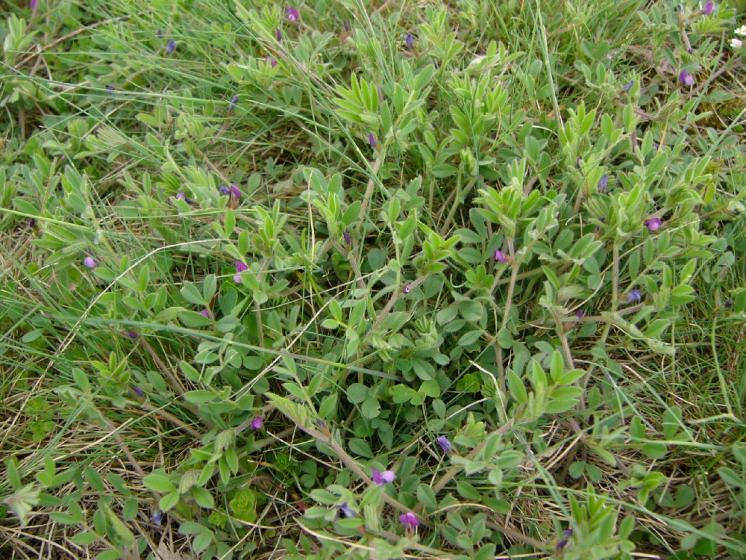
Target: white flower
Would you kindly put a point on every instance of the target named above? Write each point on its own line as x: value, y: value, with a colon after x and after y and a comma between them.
x: 736, y: 43
x: 741, y: 31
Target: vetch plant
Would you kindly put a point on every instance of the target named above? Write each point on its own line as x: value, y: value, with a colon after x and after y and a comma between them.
x: 460, y: 280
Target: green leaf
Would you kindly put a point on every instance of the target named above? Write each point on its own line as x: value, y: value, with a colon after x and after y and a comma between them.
x: 426, y: 496
x: 731, y: 478
x: 370, y: 408
x: 505, y: 338
x: 203, y: 498
x: 168, y: 501
x: 328, y: 406
x: 159, y: 482
x: 557, y: 366
x: 190, y: 293
x: 84, y: 539
x: 468, y: 491
x: 430, y: 388
x: 360, y: 447
x: 401, y: 393
x: 516, y: 387
x: 357, y: 393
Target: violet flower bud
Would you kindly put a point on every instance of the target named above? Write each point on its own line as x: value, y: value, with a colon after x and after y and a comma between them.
x: 381, y: 478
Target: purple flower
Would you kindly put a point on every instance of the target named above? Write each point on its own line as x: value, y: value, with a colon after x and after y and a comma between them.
x: 33, y: 4
x: 708, y: 8
x: 157, y: 517
x: 110, y: 89
x: 347, y: 237
x: 372, y: 141
x: 170, y: 46
x: 634, y: 296
x: 409, y: 520
x: 409, y: 41
x: 567, y: 533
x: 131, y: 334
x: 240, y: 267
x: 653, y: 224
x: 628, y: 85
x: 224, y: 190
x: 407, y: 289
x: 181, y: 196
x: 686, y: 78
x: 382, y: 478
x: 90, y: 262
x: 139, y: 392
x: 278, y: 35
x: 603, y: 184
x: 444, y: 443
x: 501, y: 257
x: 580, y: 314
x: 346, y: 510
x: 271, y: 61
x: 257, y: 423
x: 206, y: 313
x: 292, y: 14
x: 233, y: 102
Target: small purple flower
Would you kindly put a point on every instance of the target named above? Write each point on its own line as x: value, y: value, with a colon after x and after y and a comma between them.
x: 567, y: 533
x: 372, y: 141
x: 603, y: 184
x: 257, y: 423
x: 157, y: 517
x: 346, y: 510
x: 407, y: 289
x: 347, y: 237
x: 139, y: 392
x: 653, y: 224
x: 90, y: 262
x: 131, y: 334
x: 686, y: 78
x: 708, y: 8
x: 292, y: 14
x: 278, y: 35
x: 409, y: 41
x: 170, y: 46
x: 579, y: 314
x: 271, y: 61
x: 628, y: 85
x: 234, y: 191
x: 224, y: 190
x: 181, y: 196
x: 409, y: 520
x: 206, y: 313
x: 501, y: 257
x: 233, y: 102
x: 634, y: 296
x: 240, y: 267
x: 381, y: 478
x: 33, y: 4
x: 444, y: 443
x: 110, y: 89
